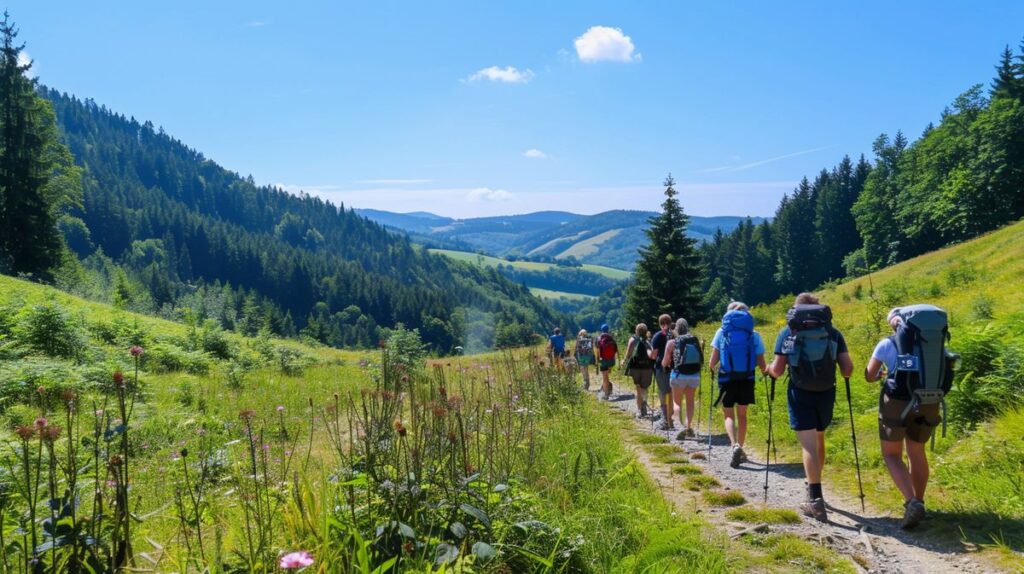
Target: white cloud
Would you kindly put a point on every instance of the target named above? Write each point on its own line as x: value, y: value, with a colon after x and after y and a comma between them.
x: 488, y: 194
x: 605, y: 44
x: 534, y: 153
x: 507, y: 75
x: 23, y: 60
x: 392, y: 181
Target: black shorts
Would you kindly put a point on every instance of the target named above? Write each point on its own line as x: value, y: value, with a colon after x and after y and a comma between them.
x: 810, y: 410
x: 737, y: 393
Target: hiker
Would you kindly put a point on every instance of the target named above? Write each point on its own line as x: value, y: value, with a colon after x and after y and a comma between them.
x: 608, y: 355
x: 811, y: 348
x: 661, y: 374
x: 918, y: 372
x: 556, y: 348
x: 737, y: 349
x: 640, y: 366
x: 585, y: 357
x: 684, y: 358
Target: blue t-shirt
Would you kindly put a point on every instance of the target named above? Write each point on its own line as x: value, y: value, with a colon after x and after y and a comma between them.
x: 886, y: 353
x: 557, y: 343
x: 718, y: 342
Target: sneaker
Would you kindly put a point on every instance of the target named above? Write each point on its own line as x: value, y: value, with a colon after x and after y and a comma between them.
x: 643, y: 411
x: 737, y: 456
x: 913, y: 513
x: 743, y: 456
x: 689, y: 433
x: 666, y: 426
x: 815, y: 509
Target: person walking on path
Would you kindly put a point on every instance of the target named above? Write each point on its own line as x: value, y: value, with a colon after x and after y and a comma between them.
x: 585, y: 356
x: 811, y: 349
x: 661, y: 374
x: 739, y: 351
x: 915, y: 350
x: 683, y: 359
x: 556, y: 348
x: 608, y: 354
x: 640, y: 366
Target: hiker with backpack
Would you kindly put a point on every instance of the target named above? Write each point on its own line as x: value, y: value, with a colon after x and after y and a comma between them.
x: 608, y: 356
x: 918, y: 372
x: 810, y: 348
x: 661, y: 374
x: 556, y: 348
x: 640, y: 366
x: 683, y: 359
x: 738, y: 353
x: 585, y: 356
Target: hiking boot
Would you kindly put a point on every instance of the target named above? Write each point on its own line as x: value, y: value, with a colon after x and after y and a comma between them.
x: 643, y: 411
x: 666, y: 426
x: 743, y: 456
x: 815, y: 509
x: 689, y: 433
x: 913, y: 513
x: 738, y: 456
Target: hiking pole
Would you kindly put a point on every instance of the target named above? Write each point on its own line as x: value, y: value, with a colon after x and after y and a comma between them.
x: 700, y: 389
x: 853, y: 433
x: 711, y: 413
x: 770, y: 397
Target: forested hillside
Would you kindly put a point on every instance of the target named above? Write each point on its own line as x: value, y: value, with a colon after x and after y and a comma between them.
x: 960, y: 179
x: 163, y: 228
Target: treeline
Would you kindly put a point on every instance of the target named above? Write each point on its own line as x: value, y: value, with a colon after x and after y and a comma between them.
x: 960, y: 179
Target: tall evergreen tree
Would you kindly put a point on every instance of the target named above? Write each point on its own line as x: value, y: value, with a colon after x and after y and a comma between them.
x: 29, y: 238
x: 668, y: 273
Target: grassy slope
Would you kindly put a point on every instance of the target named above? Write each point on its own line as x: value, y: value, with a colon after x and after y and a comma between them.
x: 549, y: 294
x: 975, y: 478
x: 489, y: 261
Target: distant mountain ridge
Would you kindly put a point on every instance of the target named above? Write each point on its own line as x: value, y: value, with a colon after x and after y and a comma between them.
x: 610, y: 238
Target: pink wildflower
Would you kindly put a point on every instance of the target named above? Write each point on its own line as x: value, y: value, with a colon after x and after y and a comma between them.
x: 294, y: 560
x: 280, y: 408
x: 136, y: 351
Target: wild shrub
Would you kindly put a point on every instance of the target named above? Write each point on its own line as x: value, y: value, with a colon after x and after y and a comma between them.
x: 983, y: 307
x: 213, y: 340
x: 167, y: 358
x: 292, y: 362
x: 48, y: 329
x: 960, y: 274
x: 991, y: 375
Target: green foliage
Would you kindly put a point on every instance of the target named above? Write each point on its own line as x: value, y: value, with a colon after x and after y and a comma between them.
x: 405, y: 349
x: 48, y: 328
x: 763, y: 515
x: 668, y: 272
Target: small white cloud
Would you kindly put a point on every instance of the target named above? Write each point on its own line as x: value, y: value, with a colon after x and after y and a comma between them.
x: 488, y: 194
x: 508, y: 75
x: 605, y: 44
x: 23, y: 60
x: 534, y: 153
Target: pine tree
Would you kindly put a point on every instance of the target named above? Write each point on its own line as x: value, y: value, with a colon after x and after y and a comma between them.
x: 668, y: 273
x: 29, y: 238
x: 1005, y: 83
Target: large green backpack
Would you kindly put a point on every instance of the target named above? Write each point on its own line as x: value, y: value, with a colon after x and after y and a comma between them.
x: 923, y: 366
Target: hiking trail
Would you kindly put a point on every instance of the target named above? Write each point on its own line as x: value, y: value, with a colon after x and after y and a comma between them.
x: 873, y: 540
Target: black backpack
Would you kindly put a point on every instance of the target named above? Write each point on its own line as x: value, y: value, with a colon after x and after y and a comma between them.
x: 687, y: 357
x: 641, y: 358
x: 811, y: 347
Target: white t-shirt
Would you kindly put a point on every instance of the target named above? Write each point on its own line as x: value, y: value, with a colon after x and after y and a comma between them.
x: 885, y: 351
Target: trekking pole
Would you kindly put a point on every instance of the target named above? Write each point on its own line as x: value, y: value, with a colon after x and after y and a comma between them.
x: 700, y: 389
x: 770, y: 396
x: 853, y: 433
x: 711, y: 406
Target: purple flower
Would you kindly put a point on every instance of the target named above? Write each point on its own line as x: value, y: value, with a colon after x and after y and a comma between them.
x: 294, y: 560
x: 136, y: 351
x: 280, y: 408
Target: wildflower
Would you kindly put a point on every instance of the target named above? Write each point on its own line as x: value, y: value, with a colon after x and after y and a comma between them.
x: 280, y: 408
x: 294, y: 560
x: 400, y: 428
x: 246, y: 414
x: 136, y: 351
x: 439, y: 411
x: 118, y: 378
x: 184, y: 452
x: 25, y: 432
x: 41, y: 390
x: 67, y: 395
x: 98, y: 413
x: 116, y: 460
x: 51, y: 433
x: 41, y: 423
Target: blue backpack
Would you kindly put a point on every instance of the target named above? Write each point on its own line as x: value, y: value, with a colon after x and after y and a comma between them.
x: 737, y: 358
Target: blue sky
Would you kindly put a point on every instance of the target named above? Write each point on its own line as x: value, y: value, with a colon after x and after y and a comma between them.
x: 484, y: 108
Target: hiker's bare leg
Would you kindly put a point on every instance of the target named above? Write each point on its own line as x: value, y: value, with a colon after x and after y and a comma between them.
x: 585, y: 372
x: 821, y: 450
x: 641, y: 398
x: 730, y: 423
x: 689, y: 392
x: 666, y: 400
x: 892, y: 454
x: 677, y: 404
x: 918, y: 457
x: 741, y: 420
x: 812, y: 461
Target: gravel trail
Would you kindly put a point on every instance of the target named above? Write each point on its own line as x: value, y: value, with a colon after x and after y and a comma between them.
x: 873, y: 539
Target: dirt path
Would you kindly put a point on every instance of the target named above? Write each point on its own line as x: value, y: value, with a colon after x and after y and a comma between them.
x: 875, y: 541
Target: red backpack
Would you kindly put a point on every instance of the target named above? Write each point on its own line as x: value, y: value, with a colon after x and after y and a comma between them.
x: 607, y: 347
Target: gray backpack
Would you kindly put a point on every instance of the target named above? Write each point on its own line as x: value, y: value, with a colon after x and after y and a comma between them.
x: 923, y: 365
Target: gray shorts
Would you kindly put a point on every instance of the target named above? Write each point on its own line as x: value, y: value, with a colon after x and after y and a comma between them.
x: 680, y: 381
x: 661, y: 376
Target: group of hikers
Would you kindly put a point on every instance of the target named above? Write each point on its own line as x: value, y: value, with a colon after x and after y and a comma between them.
x: 915, y: 366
